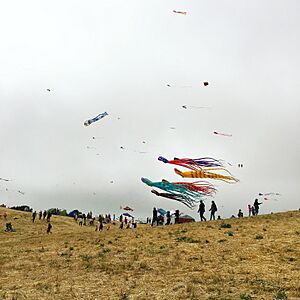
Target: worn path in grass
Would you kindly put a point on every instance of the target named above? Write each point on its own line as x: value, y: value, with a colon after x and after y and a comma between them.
x: 256, y: 258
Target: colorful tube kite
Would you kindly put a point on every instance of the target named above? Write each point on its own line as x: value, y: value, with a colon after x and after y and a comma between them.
x: 204, y: 174
x: 97, y: 118
x: 188, y: 194
x: 194, y: 164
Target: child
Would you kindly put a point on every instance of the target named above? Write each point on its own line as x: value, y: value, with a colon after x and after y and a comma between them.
x: 249, y: 210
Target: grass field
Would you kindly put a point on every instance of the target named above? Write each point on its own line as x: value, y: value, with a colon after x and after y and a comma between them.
x: 255, y: 258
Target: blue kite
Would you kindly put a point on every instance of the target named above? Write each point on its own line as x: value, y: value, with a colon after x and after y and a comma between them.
x: 97, y: 118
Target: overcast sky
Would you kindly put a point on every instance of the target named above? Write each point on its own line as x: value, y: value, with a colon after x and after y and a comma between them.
x: 118, y: 56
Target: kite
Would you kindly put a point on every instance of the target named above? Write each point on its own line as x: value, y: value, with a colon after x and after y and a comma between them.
x: 126, y: 208
x: 240, y: 165
x: 179, y: 86
x: 194, y: 164
x: 204, y: 174
x: 191, y: 106
x: 179, y: 12
x: 224, y: 134
x: 4, y: 179
x: 48, y: 90
x: 269, y: 194
x: 97, y: 118
x: 21, y: 192
x: 172, y: 127
x: 176, y: 191
x: 205, y: 83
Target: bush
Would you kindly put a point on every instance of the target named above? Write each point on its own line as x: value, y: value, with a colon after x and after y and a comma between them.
x: 281, y: 295
x: 245, y: 297
x: 186, y: 239
x: 259, y: 237
x: 225, y: 225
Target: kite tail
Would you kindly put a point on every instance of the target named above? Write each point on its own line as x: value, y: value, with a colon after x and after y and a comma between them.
x: 208, y: 162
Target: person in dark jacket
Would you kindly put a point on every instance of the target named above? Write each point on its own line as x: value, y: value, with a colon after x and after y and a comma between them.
x: 213, y: 210
x: 201, y: 211
x: 177, y: 214
x: 49, y: 228
x: 256, y: 206
x: 168, y: 215
x: 154, y: 217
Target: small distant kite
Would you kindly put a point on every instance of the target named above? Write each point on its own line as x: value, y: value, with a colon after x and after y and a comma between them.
x: 269, y: 194
x: 97, y: 118
x: 191, y: 106
x: 179, y: 12
x: 240, y: 165
x: 22, y: 193
x: 173, y: 128
x: 4, y: 179
x: 205, y: 83
x: 224, y: 134
x: 126, y: 208
x: 48, y: 90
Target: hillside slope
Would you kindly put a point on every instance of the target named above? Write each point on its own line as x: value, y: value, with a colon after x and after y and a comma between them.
x: 257, y: 258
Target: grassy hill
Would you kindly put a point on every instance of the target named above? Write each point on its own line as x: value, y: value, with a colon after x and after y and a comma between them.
x: 257, y: 258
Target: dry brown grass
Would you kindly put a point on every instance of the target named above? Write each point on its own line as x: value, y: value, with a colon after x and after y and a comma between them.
x: 257, y: 258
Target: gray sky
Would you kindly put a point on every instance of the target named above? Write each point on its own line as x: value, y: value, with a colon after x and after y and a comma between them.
x: 117, y: 56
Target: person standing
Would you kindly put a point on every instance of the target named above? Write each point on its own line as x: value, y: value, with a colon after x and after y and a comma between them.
x: 33, y: 216
x: 256, y: 206
x: 249, y: 210
x: 201, y: 211
x: 40, y: 215
x: 213, y: 210
x: 154, y: 217
x: 48, y: 216
x: 168, y: 215
x: 177, y: 214
x: 49, y: 228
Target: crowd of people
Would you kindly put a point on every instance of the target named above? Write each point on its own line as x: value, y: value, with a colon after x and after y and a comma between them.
x: 127, y: 221
x: 252, y: 210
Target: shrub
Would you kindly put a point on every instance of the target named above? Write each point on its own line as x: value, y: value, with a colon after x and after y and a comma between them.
x: 225, y: 225
x: 281, y: 295
x: 186, y: 239
x: 245, y: 297
x: 259, y: 237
